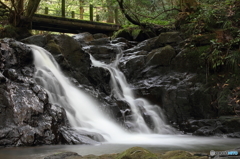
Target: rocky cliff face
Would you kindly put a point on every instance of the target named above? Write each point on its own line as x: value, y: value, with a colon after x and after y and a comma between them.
x: 158, y: 69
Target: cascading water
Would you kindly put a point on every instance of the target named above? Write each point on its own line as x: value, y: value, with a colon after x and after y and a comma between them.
x: 122, y: 91
x: 82, y: 110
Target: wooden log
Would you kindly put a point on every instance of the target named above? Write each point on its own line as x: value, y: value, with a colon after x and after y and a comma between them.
x: 50, y: 23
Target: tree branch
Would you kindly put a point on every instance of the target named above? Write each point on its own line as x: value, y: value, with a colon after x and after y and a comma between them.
x: 5, y: 6
x: 120, y: 3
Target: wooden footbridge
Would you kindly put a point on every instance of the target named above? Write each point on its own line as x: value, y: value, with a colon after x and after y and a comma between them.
x: 69, y: 25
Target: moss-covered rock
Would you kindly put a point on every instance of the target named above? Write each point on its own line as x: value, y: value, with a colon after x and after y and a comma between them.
x: 179, y: 154
x: 53, y: 47
x: 161, y: 56
x: 169, y: 38
x: 137, y: 153
x: 125, y: 33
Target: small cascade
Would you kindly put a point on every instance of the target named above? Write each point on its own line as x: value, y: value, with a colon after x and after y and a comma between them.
x: 83, y: 111
x: 139, y: 106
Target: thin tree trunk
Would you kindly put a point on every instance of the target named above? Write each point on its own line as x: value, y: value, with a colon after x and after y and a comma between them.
x: 20, y: 7
x: 32, y: 7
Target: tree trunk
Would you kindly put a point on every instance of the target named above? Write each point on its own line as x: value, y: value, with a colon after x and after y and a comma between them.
x: 20, y: 7
x: 32, y: 7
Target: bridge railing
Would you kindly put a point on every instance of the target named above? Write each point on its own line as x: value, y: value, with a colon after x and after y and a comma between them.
x: 92, y: 13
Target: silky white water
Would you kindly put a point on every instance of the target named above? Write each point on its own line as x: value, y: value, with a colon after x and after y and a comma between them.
x: 83, y: 111
x: 122, y: 91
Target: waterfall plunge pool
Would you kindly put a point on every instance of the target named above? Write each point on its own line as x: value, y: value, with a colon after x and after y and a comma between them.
x: 155, y: 143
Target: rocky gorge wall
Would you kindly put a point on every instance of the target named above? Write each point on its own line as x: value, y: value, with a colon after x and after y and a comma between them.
x: 158, y: 69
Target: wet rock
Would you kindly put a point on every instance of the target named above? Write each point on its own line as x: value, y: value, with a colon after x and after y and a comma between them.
x: 104, y: 53
x: 2, y: 78
x: 43, y: 97
x: 124, y: 33
x: 23, y: 53
x: 73, y: 53
x: 162, y: 40
x: 205, y: 131
x: 146, y: 45
x: 99, y: 35
x: 225, y: 125
x: 100, y: 41
x: 27, y: 71
x: 135, y: 64
x: 161, y: 56
x: 53, y: 47
x: 234, y: 135
x: 169, y: 38
x: 38, y: 40
x: 11, y: 74
x: 65, y: 66
x: 26, y: 116
x: 70, y: 136
x: 83, y: 38
x: 27, y: 135
x: 100, y: 79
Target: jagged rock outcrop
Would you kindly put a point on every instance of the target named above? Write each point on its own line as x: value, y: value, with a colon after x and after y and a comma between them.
x: 26, y: 116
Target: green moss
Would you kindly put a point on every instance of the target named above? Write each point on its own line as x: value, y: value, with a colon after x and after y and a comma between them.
x: 179, y: 154
x: 125, y: 33
x: 137, y: 153
x: 53, y: 47
x: 135, y: 33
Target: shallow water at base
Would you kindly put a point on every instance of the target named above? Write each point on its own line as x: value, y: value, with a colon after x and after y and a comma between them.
x: 162, y: 143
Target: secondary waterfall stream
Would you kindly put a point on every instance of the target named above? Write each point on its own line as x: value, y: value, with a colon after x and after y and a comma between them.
x: 122, y: 91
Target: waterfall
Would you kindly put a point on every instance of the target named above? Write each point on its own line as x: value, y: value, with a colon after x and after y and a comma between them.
x: 122, y: 91
x: 82, y: 110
